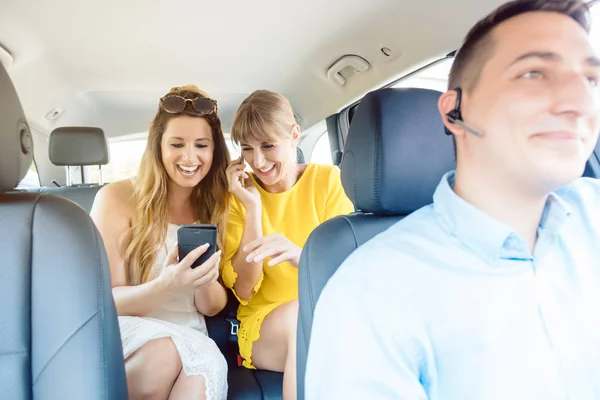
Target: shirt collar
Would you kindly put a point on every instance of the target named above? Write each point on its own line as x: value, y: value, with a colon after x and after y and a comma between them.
x: 555, y: 214
x: 489, y: 238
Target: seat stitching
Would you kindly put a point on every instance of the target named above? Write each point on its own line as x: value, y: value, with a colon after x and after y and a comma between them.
x: 13, y: 353
x: 63, y: 345
x: 376, y: 149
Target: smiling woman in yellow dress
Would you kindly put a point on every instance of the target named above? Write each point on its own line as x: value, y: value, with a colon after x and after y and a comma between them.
x: 272, y: 213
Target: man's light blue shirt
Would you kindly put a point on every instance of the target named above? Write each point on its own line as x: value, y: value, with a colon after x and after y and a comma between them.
x: 449, y: 304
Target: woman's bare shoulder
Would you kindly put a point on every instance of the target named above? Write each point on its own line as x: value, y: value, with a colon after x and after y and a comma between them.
x: 119, y: 189
x: 117, y: 198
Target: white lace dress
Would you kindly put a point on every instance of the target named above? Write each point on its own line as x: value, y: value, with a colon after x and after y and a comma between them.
x: 180, y: 320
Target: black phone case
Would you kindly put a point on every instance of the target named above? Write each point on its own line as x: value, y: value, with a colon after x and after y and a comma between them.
x: 191, y: 236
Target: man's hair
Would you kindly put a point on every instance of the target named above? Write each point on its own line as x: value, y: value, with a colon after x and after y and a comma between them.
x: 478, y: 45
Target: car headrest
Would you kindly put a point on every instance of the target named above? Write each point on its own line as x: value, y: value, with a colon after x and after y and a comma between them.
x: 300, y: 156
x: 78, y: 145
x: 16, y: 143
x: 396, y: 151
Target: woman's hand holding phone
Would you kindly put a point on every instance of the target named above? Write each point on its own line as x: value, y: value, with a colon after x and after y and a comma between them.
x: 179, y: 276
x: 241, y: 186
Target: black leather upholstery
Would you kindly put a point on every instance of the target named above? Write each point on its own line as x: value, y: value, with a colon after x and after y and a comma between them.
x: 58, y: 323
x: 396, y: 153
x: 393, y: 140
x: 244, y: 384
x: 271, y: 384
x: 592, y: 167
x: 300, y: 156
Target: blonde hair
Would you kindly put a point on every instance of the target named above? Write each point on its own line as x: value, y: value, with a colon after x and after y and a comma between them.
x: 263, y: 116
x: 150, y: 220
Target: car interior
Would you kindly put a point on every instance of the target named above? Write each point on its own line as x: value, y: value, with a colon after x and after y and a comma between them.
x: 59, y: 323
x: 80, y: 83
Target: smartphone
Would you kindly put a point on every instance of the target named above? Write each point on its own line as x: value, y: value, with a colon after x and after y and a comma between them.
x: 191, y: 236
x: 247, y: 170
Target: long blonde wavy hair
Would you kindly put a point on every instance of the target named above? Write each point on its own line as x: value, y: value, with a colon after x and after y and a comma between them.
x: 150, y: 220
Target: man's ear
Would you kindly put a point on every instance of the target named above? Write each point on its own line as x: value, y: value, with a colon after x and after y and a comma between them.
x: 447, y: 103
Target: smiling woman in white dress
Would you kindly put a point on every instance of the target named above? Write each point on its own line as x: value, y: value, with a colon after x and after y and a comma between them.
x: 160, y: 300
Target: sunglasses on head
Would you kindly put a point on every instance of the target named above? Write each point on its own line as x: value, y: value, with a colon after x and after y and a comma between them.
x: 173, y: 103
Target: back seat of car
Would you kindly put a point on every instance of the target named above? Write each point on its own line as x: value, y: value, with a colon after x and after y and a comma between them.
x: 82, y: 195
x: 85, y: 146
x: 77, y: 146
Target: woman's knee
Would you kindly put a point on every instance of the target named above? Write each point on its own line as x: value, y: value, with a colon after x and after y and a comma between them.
x: 277, y: 338
x: 289, y: 321
x: 153, y: 368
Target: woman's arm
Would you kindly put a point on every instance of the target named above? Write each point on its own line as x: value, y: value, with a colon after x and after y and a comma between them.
x: 111, y: 213
x: 140, y: 300
x: 240, y: 274
x: 248, y: 272
x: 210, y: 299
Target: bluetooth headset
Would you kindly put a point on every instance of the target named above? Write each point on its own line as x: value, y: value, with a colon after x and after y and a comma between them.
x: 455, y: 116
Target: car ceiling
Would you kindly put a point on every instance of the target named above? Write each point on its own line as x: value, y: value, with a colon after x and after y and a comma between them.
x: 106, y: 63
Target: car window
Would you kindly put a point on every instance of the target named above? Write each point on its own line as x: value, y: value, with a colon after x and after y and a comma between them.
x: 321, y: 153
x: 234, y: 150
x: 433, y: 76
x: 31, y: 180
x: 125, y: 157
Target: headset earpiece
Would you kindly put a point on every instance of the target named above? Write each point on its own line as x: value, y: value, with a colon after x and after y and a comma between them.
x: 455, y: 115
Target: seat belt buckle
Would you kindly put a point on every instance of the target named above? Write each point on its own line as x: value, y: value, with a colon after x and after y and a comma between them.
x: 240, y: 360
x: 235, y: 326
